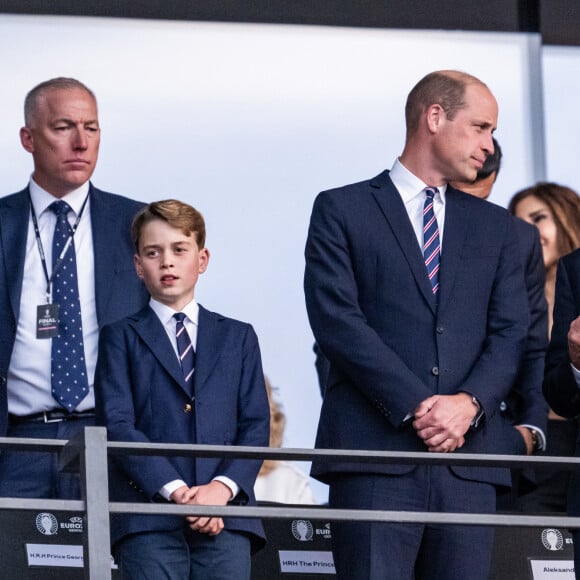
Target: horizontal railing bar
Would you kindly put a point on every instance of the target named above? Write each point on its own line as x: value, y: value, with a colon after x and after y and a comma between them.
x: 25, y: 503
x: 25, y: 444
x: 350, y: 455
x: 295, y: 454
x: 322, y: 513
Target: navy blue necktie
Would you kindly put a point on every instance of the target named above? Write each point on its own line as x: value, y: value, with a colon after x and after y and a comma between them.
x: 431, y: 244
x: 68, y: 368
x: 184, y: 348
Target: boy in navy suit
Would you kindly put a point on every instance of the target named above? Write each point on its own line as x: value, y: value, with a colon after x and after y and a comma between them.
x: 177, y: 373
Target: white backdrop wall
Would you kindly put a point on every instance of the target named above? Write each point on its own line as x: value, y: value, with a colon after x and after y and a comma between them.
x: 248, y: 123
x: 561, y: 66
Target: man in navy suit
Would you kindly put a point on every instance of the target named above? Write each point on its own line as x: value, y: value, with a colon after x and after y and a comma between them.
x: 217, y: 395
x: 418, y: 361
x: 562, y: 377
x: 62, y: 134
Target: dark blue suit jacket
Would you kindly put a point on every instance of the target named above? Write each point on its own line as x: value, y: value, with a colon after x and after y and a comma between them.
x: 525, y: 403
x: 389, y: 343
x: 142, y: 397
x: 560, y: 387
x: 118, y: 290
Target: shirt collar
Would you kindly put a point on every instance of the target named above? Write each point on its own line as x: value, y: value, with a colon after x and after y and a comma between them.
x: 165, y: 313
x: 408, y: 184
x: 41, y: 199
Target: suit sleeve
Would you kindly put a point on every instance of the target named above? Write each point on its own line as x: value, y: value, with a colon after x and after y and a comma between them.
x: 115, y: 410
x: 560, y: 388
x: 526, y: 395
x: 340, y: 326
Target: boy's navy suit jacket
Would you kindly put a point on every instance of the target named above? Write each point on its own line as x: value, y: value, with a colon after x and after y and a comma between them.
x: 141, y: 396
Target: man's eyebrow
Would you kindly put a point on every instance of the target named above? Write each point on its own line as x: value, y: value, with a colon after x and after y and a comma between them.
x: 69, y: 121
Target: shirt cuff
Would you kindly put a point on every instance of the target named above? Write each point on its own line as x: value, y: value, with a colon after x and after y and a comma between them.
x: 234, y: 487
x: 170, y: 487
x: 540, y: 433
x: 576, y: 374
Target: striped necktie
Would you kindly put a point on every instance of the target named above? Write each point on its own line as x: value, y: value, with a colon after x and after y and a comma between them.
x: 431, y: 245
x: 184, y: 347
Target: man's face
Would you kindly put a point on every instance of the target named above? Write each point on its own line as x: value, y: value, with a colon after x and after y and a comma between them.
x: 461, y: 144
x: 169, y: 262
x: 63, y: 138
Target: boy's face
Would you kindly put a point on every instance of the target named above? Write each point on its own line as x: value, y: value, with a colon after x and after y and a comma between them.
x: 169, y: 262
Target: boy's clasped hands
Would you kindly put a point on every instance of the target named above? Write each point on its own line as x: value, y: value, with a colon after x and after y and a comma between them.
x: 212, y: 493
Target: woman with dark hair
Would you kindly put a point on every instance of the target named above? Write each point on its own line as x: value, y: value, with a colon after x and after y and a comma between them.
x: 555, y: 210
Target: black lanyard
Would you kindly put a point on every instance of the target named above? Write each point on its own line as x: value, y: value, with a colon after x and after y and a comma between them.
x: 56, y: 266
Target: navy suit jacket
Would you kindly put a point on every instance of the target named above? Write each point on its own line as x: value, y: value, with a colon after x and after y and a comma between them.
x: 118, y: 290
x: 141, y: 396
x: 390, y: 344
x: 526, y: 404
x: 560, y: 387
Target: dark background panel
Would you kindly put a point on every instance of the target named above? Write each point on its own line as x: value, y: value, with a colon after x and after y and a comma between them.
x: 560, y: 22
x: 557, y: 20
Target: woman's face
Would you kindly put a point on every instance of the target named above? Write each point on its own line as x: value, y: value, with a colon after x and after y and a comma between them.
x: 536, y: 212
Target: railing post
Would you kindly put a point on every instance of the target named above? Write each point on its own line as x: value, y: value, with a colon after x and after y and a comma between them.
x: 94, y: 474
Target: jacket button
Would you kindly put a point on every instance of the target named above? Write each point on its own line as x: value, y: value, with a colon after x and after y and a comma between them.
x: 187, y: 408
x: 502, y: 406
x: 435, y: 370
x: 439, y: 330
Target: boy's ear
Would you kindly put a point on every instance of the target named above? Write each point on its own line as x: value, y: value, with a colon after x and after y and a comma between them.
x: 203, y: 260
x: 138, y: 267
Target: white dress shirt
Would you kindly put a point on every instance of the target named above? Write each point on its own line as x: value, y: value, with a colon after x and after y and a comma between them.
x: 28, y: 381
x: 165, y: 315
x: 576, y: 374
x: 410, y: 189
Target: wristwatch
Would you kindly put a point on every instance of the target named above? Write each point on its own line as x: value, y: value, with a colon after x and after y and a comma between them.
x: 536, y: 440
x: 478, y: 415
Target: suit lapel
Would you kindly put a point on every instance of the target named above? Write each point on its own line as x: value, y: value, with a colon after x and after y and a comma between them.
x: 454, y: 233
x: 210, y: 341
x: 393, y: 209
x: 14, y: 217
x: 148, y: 326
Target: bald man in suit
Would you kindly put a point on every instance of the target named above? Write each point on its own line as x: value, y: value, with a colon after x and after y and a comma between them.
x: 424, y: 335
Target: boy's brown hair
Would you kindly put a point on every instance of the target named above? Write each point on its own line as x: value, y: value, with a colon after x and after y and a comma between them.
x: 177, y: 214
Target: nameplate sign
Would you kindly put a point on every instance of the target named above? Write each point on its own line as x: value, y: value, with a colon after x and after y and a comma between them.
x: 306, y: 562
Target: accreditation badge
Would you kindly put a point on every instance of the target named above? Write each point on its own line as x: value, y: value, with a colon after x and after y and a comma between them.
x: 46, y: 320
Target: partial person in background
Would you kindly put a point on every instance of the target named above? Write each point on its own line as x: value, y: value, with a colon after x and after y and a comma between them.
x: 66, y: 269
x: 525, y: 405
x: 562, y: 378
x: 279, y: 481
x: 555, y: 210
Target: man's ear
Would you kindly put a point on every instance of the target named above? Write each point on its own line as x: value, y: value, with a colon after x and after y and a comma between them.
x: 435, y: 117
x: 27, y: 139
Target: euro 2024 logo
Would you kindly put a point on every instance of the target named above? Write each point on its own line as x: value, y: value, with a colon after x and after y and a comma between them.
x: 46, y: 524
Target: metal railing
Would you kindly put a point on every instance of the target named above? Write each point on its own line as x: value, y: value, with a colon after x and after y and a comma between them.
x: 88, y: 453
